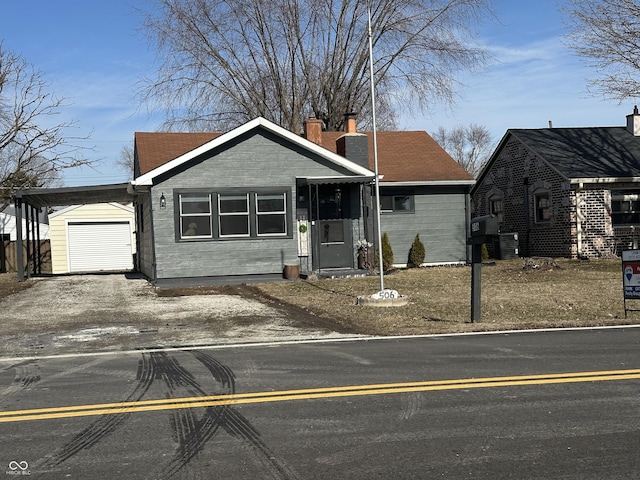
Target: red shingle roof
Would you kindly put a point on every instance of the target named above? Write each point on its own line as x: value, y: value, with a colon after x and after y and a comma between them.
x: 157, y: 148
x: 407, y: 157
x: 402, y: 156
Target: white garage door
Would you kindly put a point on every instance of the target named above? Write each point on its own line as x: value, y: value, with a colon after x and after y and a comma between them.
x: 100, y: 246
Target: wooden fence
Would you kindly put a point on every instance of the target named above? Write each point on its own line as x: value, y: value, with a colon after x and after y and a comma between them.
x: 8, y: 256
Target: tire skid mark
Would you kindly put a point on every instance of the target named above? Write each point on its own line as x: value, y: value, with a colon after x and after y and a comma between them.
x: 27, y: 374
x: 193, y: 434
x: 105, y: 424
x: 412, y: 404
x: 190, y: 431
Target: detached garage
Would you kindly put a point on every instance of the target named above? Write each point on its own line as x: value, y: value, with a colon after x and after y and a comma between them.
x: 92, y: 238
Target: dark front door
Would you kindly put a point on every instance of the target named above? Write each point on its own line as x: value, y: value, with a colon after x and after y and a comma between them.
x: 335, y: 243
x: 331, y: 230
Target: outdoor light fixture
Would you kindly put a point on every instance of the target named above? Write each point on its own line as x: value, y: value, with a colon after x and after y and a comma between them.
x: 163, y: 201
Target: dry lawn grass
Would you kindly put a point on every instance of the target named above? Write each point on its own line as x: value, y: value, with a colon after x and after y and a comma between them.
x: 9, y: 284
x: 579, y: 293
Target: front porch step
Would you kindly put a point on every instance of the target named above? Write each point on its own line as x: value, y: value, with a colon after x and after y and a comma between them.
x: 339, y: 273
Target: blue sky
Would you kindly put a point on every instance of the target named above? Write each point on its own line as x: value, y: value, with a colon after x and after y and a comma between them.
x: 93, y: 54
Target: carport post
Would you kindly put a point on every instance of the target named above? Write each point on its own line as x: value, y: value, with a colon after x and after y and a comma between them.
x: 19, y: 258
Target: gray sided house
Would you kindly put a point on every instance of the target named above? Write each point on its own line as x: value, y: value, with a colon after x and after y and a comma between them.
x: 248, y: 204
x: 566, y: 192
x: 423, y: 191
x: 243, y: 205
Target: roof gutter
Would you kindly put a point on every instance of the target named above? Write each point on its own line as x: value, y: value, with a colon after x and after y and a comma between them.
x: 580, y: 181
x: 427, y: 183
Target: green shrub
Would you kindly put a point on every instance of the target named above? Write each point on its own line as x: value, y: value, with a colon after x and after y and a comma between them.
x: 387, y: 253
x: 484, y: 255
x: 416, y: 253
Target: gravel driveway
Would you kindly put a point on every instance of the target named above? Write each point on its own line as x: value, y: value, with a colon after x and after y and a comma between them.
x: 88, y: 313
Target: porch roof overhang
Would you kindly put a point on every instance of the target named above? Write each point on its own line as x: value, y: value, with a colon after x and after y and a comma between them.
x: 332, y: 179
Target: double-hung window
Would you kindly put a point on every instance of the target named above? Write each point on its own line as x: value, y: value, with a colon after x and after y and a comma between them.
x: 195, y: 215
x: 625, y: 207
x: 496, y: 207
x: 271, y: 214
x: 233, y: 214
x: 542, y: 205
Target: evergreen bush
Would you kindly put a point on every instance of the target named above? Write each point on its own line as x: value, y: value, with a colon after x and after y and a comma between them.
x: 416, y: 253
x: 387, y: 253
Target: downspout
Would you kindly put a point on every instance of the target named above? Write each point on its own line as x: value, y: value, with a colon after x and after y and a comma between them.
x: 579, y: 220
x: 527, y: 215
x: 152, y: 223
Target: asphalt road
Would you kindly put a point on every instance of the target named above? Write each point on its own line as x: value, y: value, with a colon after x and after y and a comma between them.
x: 521, y: 406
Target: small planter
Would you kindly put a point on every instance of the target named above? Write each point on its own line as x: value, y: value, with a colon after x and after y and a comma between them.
x: 292, y: 271
x: 365, y: 259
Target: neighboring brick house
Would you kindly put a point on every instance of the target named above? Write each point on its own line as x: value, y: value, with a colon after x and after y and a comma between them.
x: 566, y: 192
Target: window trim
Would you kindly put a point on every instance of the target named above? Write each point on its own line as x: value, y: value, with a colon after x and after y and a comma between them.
x: 271, y: 213
x: 621, y: 195
x: 539, y: 211
x: 252, y: 196
x: 493, y: 199
x: 397, y: 194
x: 180, y: 216
x: 220, y: 214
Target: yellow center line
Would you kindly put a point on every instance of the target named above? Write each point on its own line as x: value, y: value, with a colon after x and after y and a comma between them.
x: 312, y: 393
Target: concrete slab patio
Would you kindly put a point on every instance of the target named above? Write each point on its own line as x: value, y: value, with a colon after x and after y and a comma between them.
x: 97, y: 313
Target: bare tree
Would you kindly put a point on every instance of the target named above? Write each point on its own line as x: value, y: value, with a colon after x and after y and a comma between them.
x: 125, y: 161
x: 605, y: 32
x: 32, y: 153
x: 470, y: 146
x: 226, y: 62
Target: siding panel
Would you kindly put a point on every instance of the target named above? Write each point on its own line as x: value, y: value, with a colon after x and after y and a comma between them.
x: 254, y: 161
x: 439, y: 219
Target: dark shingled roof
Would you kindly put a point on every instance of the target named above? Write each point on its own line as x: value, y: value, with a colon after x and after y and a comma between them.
x: 590, y: 152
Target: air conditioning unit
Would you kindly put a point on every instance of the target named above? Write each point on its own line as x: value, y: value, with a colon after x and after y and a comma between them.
x: 506, y: 246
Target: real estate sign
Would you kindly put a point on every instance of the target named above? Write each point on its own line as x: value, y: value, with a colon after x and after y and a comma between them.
x: 631, y: 274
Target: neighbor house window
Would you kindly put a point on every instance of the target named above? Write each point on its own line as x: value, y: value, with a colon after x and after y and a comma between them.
x: 625, y: 207
x: 496, y: 207
x: 233, y: 214
x: 195, y: 215
x: 542, y: 205
x: 396, y: 203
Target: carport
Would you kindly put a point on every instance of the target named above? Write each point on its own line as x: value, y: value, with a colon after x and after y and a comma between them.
x: 29, y: 201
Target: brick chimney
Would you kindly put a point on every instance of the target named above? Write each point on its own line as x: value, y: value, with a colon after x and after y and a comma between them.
x: 350, y: 122
x: 352, y: 145
x: 313, y: 130
x: 633, y: 122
